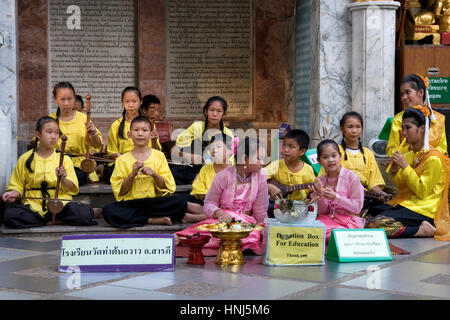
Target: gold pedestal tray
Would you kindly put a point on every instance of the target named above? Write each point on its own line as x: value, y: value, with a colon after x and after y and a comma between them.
x: 230, y: 252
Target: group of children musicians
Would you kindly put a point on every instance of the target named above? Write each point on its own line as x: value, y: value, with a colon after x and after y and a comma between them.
x: 233, y: 182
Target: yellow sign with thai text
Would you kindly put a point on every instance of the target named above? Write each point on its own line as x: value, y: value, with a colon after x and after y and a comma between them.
x: 295, y: 245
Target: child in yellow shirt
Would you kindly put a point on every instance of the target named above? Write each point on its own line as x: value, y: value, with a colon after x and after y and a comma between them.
x: 142, y: 184
x: 74, y: 126
x: 191, y: 143
x: 221, y: 148
x: 35, y: 176
x: 290, y: 170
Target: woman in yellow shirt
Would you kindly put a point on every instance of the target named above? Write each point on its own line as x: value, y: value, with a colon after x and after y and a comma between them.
x: 118, y: 140
x: 192, y: 142
x: 142, y: 184
x: 35, y: 176
x: 421, y: 177
x: 414, y: 93
x: 74, y: 126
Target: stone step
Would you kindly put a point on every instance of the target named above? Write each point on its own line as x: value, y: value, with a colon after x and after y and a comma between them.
x: 99, y: 195
x: 102, y: 228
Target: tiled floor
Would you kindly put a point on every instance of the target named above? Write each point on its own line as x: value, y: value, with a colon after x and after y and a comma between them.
x: 29, y: 271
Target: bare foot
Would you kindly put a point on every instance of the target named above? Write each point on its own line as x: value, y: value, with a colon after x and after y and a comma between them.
x: 425, y: 230
x: 162, y: 220
x: 177, y: 239
x: 190, y: 218
x: 98, y: 213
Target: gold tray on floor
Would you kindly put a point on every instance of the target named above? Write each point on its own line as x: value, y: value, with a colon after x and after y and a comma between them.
x: 230, y: 252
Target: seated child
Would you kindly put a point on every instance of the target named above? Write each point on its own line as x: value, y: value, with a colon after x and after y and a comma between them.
x: 118, y: 139
x: 221, y: 148
x: 359, y: 159
x: 290, y: 170
x: 141, y: 183
x: 151, y: 108
x: 340, y: 191
x: 33, y: 183
x: 74, y: 126
x: 192, y: 142
x: 421, y: 177
x: 238, y: 192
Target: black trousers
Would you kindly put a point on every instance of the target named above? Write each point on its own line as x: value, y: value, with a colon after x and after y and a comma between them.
x: 192, y: 199
x: 410, y: 219
x: 81, y: 176
x: 184, y: 174
x: 20, y: 216
x: 107, y: 172
x: 135, y: 213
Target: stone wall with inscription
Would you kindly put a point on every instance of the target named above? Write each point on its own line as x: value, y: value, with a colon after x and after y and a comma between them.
x: 209, y: 52
x: 92, y: 44
x: 271, y: 32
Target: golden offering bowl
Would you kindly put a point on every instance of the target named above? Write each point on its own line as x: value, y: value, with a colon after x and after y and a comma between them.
x: 230, y: 252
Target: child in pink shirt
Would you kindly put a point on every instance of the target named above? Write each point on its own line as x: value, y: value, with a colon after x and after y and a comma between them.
x: 340, y: 190
x: 238, y: 192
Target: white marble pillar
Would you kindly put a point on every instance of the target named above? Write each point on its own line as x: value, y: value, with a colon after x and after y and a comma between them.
x: 330, y: 68
x: 8, y: 90
x: 373, y: 63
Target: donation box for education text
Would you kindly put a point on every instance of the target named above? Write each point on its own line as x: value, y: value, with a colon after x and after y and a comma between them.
x: 293, y: 244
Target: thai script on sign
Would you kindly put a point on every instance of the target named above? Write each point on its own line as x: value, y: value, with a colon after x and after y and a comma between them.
x: 95, y: 251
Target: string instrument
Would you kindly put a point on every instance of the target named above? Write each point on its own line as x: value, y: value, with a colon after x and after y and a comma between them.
x: 88, y: 165
x: 378, y: 196
x: 285, y: 190
x: 92, y: 157
x: 55, y: 205
x: 154, y: 139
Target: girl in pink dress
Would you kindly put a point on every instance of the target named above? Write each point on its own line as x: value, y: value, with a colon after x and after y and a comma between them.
x: 239, y: 191
x: 340, y: 190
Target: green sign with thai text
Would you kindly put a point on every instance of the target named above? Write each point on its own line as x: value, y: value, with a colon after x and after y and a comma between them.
x: 439, y: 89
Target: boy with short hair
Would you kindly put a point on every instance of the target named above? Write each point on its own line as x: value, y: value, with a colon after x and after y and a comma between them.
x: 142, y: 183
x: 290, y: 170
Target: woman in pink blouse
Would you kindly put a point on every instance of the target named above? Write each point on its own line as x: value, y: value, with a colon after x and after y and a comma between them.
x: 340, y: 190
x: 239, y: 191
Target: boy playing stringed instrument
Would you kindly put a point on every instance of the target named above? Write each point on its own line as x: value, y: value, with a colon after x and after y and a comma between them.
x: 290, y: 170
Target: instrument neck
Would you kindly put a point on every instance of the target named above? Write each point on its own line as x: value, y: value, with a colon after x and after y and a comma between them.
x: 297, y: 187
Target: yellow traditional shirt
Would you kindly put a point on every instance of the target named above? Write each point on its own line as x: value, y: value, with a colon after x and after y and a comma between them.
x: 119, y: 145
x: 203, y: 181
x: 144, y: 186
x: 395, y: 136
x: 427, y: 188
x: 22, y: 180
x: 75, y: 131
x: 195, y: 132
x: 280, y: 172
x: 369, y: 173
